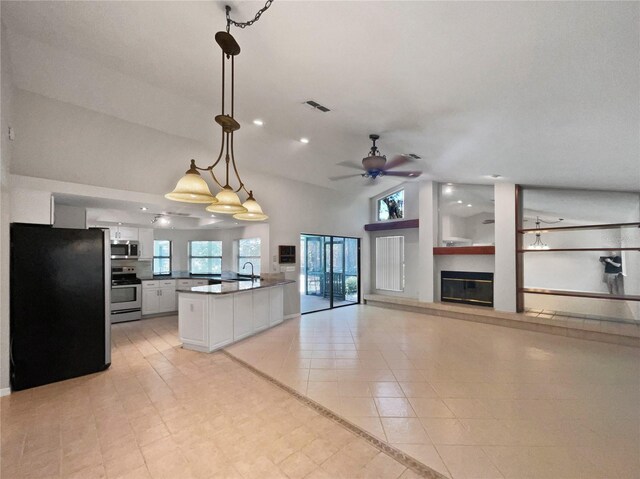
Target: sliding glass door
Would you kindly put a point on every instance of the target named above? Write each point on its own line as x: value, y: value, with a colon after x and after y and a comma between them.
x: 329, y: 272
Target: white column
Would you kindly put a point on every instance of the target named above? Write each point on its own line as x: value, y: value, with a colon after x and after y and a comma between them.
x: 504, y: 286
x: 427, y: 234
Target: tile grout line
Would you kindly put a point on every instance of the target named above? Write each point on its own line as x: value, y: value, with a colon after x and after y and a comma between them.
x: 407, y: 461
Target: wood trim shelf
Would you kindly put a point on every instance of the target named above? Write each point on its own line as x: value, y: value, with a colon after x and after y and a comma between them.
x: 605, y: 248
x: 466, y: 250
x: 582, y: 227
x: 578, y: 294
x: 392, y: 225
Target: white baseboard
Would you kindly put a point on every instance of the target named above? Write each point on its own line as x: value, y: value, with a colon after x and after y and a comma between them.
x: 5, y: 392
x: 291, y: 316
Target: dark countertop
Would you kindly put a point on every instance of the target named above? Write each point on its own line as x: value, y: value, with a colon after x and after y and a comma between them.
x: 236, y: 286
x: 187, y: 275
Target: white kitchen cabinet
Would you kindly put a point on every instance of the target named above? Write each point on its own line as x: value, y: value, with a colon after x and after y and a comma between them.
x: 150, y: 301
x: 167, y: 296
x: 261, y: 310
x: 124, y: 233
x: 31, y: 206
x: 276, y: 306
x: 193, y: 321
x: 221, y: 333
x: 158, y: 297
x: 242, y: 315
x: 145, y: 240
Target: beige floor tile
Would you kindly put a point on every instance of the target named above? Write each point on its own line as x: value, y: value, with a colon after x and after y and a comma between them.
x: 394, y: 407
x: 354, y: 389
x: 357, y: 407
x: 372, y: 425
x: 405, y: 431
x: 386, y: 389
x: 426, y: 454
x: 430, y: 407
x: 468, y: 462
x: 297, y: 466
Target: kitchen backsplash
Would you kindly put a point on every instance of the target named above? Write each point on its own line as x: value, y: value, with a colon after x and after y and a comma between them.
x: 143, y: 268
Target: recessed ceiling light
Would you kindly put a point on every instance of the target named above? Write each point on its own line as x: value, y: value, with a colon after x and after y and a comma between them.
x: 449, y: 184
x: 304, y: 140
x: 496, y: 176
x: 448, y: 190
x: 213, y: 216
x: 258, y: 122
x: 459, y: 202
x: 119, y: 224
x: 469, y: 205
x: 144, y: 208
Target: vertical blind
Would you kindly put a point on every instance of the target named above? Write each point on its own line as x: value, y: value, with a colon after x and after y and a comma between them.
x: 390, y: 263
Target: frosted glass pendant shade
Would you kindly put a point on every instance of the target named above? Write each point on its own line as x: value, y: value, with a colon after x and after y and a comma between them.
x: 228, y: 203
x: 254, y: 211
x: 191, y: 188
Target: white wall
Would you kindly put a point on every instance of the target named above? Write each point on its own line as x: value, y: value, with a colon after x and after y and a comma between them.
x: 504, y: 285
x: 6, y: 151
x: 69, y: 217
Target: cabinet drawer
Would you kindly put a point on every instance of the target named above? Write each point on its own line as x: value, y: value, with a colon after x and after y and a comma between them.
x: 170, y: 283
x: 201, y: 282
x: 150, y: 284
x: 184, y: 283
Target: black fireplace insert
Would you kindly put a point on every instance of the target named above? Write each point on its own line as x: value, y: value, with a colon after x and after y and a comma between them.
x: 467, y: 287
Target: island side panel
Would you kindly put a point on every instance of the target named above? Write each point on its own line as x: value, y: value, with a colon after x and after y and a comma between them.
x: 261, y: 309
x: 220, y: 320
x: 242, y: 315
x: 276, y: 302
x: 193, y: 321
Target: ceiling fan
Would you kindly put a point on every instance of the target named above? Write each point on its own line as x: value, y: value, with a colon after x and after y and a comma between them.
x: 375, y: 164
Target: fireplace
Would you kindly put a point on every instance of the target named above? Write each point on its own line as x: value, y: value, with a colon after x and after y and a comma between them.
x: 467, y: 288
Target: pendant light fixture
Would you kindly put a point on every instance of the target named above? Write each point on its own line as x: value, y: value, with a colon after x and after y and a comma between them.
x: 538, y: 243
x: 192, y: 188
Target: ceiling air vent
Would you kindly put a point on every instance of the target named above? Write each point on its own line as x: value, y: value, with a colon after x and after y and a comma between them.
x: 317, y: 106
x: 414, y: 156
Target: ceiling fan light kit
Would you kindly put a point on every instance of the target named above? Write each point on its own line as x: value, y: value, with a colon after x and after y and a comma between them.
x: 192, y: 188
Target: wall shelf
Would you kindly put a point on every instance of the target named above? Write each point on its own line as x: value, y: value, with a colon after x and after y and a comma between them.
x: 466, y: 250
x: 578, y: 294
x: 392, y: 225
x: 583, y: 227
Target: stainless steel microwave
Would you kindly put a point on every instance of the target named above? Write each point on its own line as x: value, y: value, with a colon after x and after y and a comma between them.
x: 121, y: 249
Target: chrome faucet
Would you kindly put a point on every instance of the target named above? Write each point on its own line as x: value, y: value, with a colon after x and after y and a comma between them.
x: 245, y: 265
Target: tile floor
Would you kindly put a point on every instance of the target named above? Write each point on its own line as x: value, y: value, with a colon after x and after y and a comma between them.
x: 470, y: 400
x: 164, y: 412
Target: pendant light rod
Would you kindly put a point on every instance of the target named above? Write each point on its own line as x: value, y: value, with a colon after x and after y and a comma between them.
x: 192, y: 188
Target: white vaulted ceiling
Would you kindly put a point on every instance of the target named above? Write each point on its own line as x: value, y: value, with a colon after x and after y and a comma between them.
x: 542, y: 93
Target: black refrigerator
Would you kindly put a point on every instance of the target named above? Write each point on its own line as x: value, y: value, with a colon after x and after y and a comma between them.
x: 60, y: 303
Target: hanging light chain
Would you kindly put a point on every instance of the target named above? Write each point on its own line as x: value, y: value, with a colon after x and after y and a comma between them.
x: 248, y: 23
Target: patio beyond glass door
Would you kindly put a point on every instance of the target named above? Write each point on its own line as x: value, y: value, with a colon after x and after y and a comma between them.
x: 329, y: 272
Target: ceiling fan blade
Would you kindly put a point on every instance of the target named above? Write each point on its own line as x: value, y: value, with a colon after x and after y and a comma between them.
x: 350, y: 164
x: 343, y: 177
x: 410, y: 174
x: 396, y: 161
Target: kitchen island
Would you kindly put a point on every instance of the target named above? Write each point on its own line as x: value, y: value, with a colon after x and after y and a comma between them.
x: 211, y: 317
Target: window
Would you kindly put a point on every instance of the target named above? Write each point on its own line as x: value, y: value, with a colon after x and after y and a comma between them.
x: 390, y: 263
x: 205, y: 257
x: 161, y: 257
x: 391, y: 207
x: 249, y: 250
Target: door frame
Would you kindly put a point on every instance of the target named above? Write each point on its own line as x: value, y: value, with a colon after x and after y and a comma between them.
x: 359, y: 276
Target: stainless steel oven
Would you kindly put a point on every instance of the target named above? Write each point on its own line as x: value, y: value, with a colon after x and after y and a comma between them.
x: 126, y: 295
x: 124, y: 249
